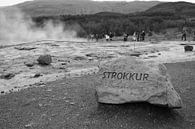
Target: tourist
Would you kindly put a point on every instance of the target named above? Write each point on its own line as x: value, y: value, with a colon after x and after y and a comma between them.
x: 107, y: 37
x: 143, y: 35
x: 111, y: 36
x: 96, y: 37
x: 138, y: 36
x: 183, y: 38
x: 125, y: 37
x: 134, y: 36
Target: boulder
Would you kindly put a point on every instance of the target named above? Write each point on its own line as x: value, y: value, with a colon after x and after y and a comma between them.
x: 44, y: 60
x: 188, y: 48
x: 129, y: 80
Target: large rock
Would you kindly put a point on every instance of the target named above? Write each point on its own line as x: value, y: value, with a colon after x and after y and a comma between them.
x: 128, y: 80
x: 44, y: 60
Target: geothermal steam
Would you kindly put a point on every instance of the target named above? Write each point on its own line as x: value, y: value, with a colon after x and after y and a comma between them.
x: 15, y: 26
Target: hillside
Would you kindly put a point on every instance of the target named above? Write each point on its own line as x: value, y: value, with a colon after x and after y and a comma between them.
x: 180, y: 8
x: 75, y: 7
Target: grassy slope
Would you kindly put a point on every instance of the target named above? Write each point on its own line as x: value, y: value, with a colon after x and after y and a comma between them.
x: 62, y: 7
x: 181, y: 8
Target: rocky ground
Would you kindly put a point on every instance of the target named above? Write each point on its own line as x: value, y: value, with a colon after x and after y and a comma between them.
x: 62, y: 94
x: 19, y: 68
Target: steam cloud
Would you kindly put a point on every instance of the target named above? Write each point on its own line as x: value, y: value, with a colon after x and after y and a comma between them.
x: 15, y: 26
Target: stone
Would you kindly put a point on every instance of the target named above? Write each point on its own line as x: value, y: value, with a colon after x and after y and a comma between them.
x: 128, y: 80
x: 37, y: 75
x: 188, y: 48
x: 29, y: 64
x: 44, y: 60
x: 7, y: 76
x: 137, y: 54
x: 79, y: 58
x: 24, y: 48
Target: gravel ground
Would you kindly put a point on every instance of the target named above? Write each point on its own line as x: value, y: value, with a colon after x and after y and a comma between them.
x: 71, y: 103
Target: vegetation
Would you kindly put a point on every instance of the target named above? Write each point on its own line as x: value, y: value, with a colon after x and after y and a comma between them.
x: 156, y: 19
x: 118, y: 24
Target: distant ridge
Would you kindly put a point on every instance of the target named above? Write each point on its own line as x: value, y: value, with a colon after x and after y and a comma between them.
x: 109, y: 14
x: 77, y: 7
x: 180, y: 8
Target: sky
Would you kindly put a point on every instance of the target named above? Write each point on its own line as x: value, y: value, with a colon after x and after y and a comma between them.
x: 13, y: 2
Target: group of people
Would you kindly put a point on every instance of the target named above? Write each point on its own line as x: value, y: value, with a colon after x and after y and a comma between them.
x: 92, y: 37
x: 109, y: 36
x: 96, y: 37
x: 137, y: 36
x: 184, y: 35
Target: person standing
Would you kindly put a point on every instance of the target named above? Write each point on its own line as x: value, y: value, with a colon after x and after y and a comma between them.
x: 134, y: 36
x: 143, y: 35
x: 183, y: 38
x: 107, y: 37
x: 111, y: 36
x: 97, y: 37
x: 138, y: 36
x: 125, y: 37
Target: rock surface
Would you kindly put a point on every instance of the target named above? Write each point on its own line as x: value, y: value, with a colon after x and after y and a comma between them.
x: 128, y: 80
x: 44, y: 60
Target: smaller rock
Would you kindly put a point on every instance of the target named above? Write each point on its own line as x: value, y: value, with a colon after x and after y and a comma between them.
x: 188, y: 48
x: 55, y: 45
x: 153, y: 56
x: 7, y: 76
x: 44, y: 60
x: 29, y: 64
x: 62, y: 68
x: 40, y: 84
x: 91, y: 55
x: 63, y: 63
x: 37, y: 75
x: 25, y: 48
x: 79, y: 58
x: 137, y: 54
x: 2, y: 92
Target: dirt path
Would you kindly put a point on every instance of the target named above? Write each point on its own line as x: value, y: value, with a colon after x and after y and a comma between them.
x: 71, y: 103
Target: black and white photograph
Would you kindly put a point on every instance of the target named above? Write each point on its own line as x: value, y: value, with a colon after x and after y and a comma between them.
x: 97, y: 64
